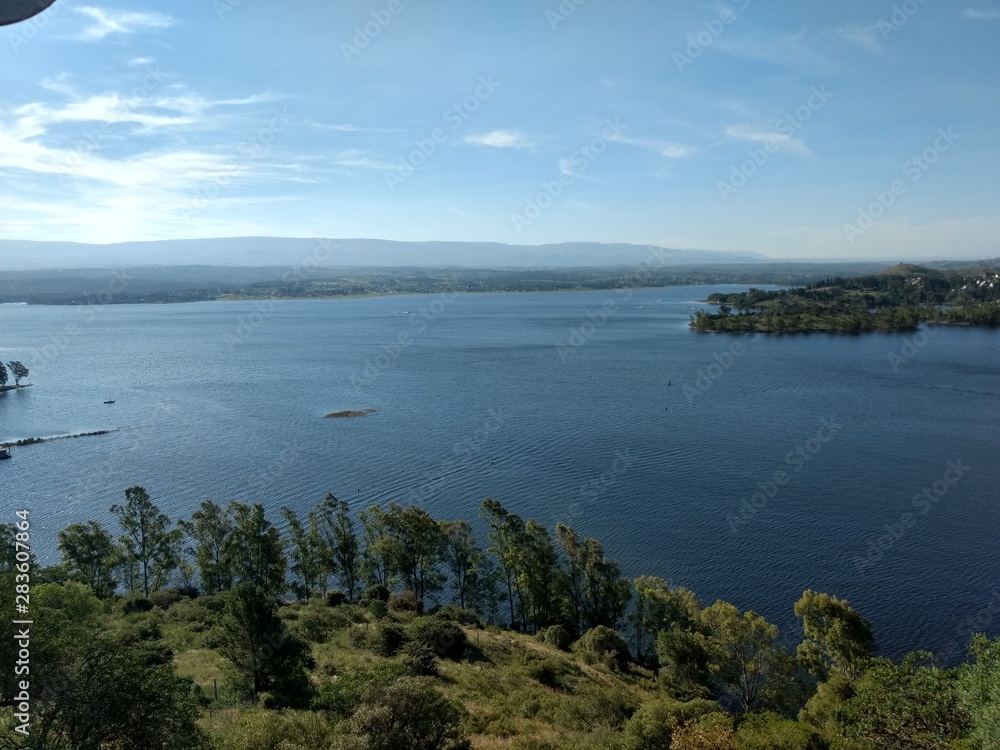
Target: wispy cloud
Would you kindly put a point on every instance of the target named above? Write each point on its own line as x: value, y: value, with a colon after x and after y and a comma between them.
x: 499, y: 139
x: 666, y: 149
x: 988, y: 14
x: 789, y: 50
x: 866, y: 38
x: 107, y: 21
x: 782, y: 141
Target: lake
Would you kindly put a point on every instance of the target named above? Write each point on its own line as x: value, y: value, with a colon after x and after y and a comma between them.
x: 747, y: 469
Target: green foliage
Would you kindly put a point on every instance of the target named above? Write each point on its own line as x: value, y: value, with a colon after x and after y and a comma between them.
x: 266, y: 657
x: 443, y: 637
x: 712, y: 731
x: 343, y: 695
x: 819, y: 709
x: 910, y: 706
x: 835, y: 636
x: 653, y: 725
x: 150, y: 546
x: 414, y: 549
x: 258, y: 729
x: 602, y: 645
x: 209, y: 530
x: 386, y: 639
x: 409, y: 714
x: 979, y: 692
x: 164, y: 598
x: 741, y: 655
x: 593, y: 706
x: 557, y: 637
x: 254, y: 549
x: 90, y: 555
x: 99, y: 691
x: 772, y: 732
x: 683, y: 664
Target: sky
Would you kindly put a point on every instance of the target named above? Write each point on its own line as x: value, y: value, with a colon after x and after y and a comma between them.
x: 856, y: 129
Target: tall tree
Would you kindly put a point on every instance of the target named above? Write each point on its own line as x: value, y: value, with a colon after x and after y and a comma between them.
x: 255, y: 549
x: 416, y: 549
x: 463, y: 559
x: 337, y: 528
x: 836, y: 637
x: 90, y: 555
x: 150, y: 545
x: 309, y: 554
x: 607, y: 593
x: 742, y: 655
x: 505, y: 530
x: 660, y: 607
x: 266, y: 656
x: 574, y: 560
x: 18, y: 370
x: 376, y: 561
x: 208, y: 530
x: 538, y: 576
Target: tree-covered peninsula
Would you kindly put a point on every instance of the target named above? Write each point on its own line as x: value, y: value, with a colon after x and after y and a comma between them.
x: 897, y: 300
x: 388, y: 629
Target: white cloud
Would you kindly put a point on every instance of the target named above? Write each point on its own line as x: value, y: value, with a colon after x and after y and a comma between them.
x: 990, y: 14
x: 666, y: 149
x: 865, y: 37
x: 106, y: 21
x: 782, y: 141
x: 499, y: 139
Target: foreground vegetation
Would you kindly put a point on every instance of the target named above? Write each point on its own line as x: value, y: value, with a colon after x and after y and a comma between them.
x: 897, y: 300
x: 162, y: 635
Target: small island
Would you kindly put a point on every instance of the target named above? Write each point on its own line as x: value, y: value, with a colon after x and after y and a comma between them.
x: 18, y: 370
x: 349, y: 414
x: 898, y: 299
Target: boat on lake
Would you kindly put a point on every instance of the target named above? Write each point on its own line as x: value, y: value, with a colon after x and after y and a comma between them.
x: 4, y: 454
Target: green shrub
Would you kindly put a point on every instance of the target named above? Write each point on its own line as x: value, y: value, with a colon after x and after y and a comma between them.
x: 552, y: 673
x: 442, y: 636
x: 375, y: 593
x: 772, y: 732
x: 335, y: 598
x: 710, y: 732
x: 420, y: 659
x: 557, y: 636
x: 602, y: 645
x: 259, y: 729
x: 652, y: 726
x: 410, y: 714
x: 164, y: 598
x: 405, y: 601
x: 595, y: 707
x: 456, y: 614
x: 316, y: 622
x: 137, y: 604
x: 386, y: 639
x: 342, y: 696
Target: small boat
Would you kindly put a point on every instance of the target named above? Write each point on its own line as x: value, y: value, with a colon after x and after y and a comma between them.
x: 110, y: 401
x: 4, y: 454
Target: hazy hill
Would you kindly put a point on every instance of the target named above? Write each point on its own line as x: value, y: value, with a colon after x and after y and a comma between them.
x: 290, y: 251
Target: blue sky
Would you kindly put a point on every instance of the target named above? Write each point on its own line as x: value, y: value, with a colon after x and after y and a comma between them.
x: 853, y: 129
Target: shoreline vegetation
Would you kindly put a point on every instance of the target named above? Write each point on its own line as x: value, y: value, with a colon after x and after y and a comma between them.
x: 434, y: 641
x: 899, y: 299
x: 5, y: 388
x: 36, y: 440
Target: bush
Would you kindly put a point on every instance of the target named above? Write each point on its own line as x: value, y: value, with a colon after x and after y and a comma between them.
x: 409, y: 714
x: 165, y: 598
x: 443, y: 637
x: 551, y: 673
x: 375, y: 593
x: 454, y: 613
x: 342, y: 696
x: 406, y: 601
x: 379, y: 609
x: 772, y: 732
x: 420, y: 659
x: 711, y: 732
x: 258, y: 729
x: 602, y: 645
x: 335, y: 598
x: 386, y: 639
x: 653, y: 725
x: 595, y: 707
x: 557, y: 636
x: 137, y: 604
x: 315, y: 623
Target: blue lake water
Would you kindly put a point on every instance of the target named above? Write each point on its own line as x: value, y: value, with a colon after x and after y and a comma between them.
x: 587, y: 408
